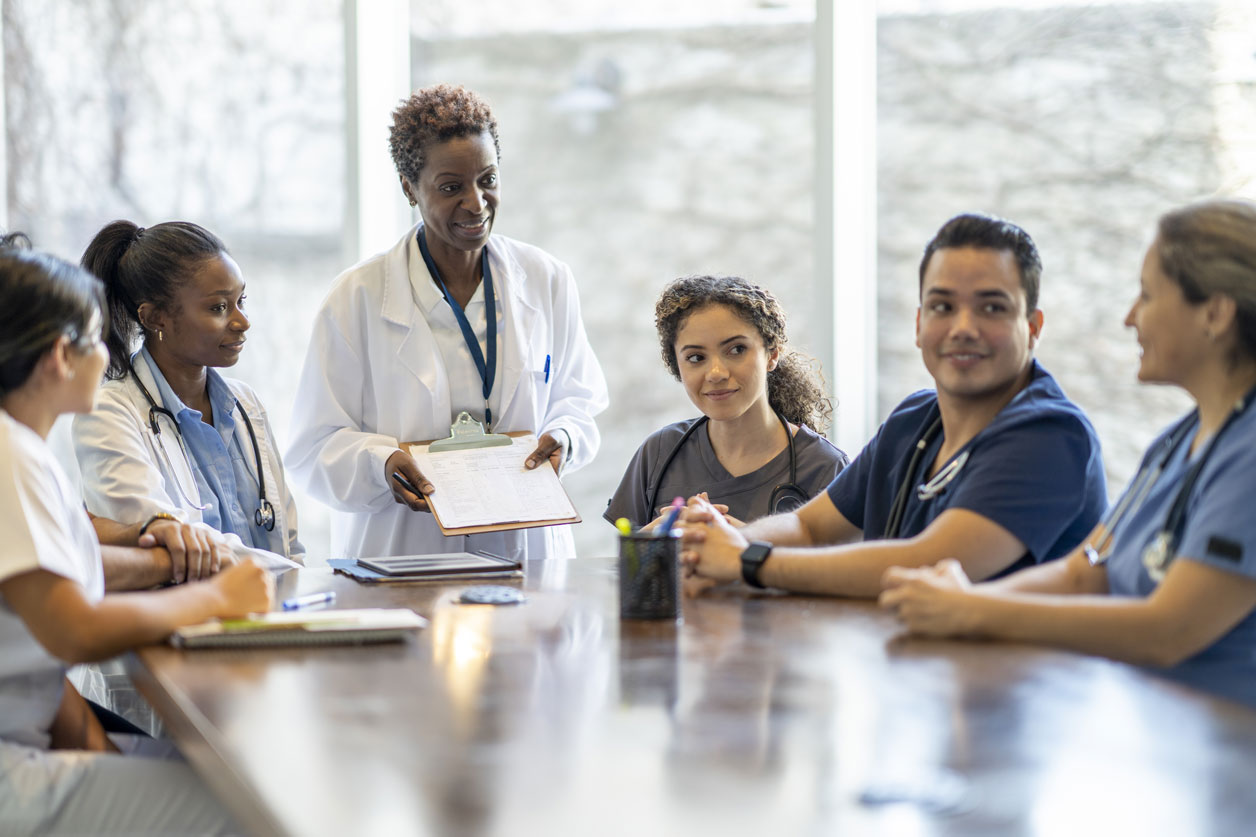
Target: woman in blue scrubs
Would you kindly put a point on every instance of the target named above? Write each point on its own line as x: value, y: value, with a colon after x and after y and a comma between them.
x: 1168, y: 579
x: 754, y: 450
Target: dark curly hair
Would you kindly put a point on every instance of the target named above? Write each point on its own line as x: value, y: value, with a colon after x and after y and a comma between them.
x: 795, y: 386
x: 435, y: 114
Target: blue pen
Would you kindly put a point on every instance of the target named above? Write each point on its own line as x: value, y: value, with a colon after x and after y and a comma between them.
x: 311, y: 600
x: 666, y: 526
x: 547, y: 364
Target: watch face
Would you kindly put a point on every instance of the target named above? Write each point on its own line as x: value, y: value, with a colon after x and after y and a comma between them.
x: 752, y: 558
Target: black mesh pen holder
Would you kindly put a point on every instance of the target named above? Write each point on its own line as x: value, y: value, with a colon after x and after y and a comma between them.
x: 649, y: 578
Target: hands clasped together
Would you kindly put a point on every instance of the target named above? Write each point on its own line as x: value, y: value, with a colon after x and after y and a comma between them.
x: 197, y: 551
x: 927, y: 600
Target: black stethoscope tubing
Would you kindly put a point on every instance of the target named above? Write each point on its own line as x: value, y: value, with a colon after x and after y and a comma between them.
x: 1170, y: 534
x: 778, y: 493
x: 894, y: 523
x: 264, y: 514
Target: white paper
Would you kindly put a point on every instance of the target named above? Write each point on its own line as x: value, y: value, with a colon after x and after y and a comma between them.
x: 490, y: 486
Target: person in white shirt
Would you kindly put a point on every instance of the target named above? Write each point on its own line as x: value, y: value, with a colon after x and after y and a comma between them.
x: 59, y: 772
x: 451, y: 319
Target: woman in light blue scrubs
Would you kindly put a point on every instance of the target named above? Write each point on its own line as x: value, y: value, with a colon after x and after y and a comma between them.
x: 1168, y: 579
x: 170, y: 437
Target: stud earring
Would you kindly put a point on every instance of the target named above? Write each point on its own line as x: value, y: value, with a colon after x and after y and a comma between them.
x: 413, y: 202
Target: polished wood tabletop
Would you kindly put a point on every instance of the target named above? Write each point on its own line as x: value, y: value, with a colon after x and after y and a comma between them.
x: 756, y: 714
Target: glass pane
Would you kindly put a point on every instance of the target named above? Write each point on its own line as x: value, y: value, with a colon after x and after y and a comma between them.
x: 642, y: 142
x: 1082, y: 123
x: 229, y: 114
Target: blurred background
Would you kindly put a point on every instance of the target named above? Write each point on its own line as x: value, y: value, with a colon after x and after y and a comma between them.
x: 645, y: 141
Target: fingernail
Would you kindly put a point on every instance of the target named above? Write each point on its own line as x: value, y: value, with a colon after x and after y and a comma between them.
x: 531, y: 463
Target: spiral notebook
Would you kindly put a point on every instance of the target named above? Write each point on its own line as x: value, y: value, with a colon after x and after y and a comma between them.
x: 323, y: 627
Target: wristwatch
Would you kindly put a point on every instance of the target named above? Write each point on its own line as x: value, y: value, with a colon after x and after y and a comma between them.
x: 154, y: 519
x: 752, y: 558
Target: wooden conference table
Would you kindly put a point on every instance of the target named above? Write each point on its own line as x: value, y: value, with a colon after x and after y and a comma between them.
x: 758, y: 714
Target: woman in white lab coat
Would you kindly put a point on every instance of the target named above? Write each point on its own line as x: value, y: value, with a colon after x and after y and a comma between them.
x: 408, y: 339
x: 170, y: 437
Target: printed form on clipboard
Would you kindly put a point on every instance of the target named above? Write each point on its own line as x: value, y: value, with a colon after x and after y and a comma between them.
x: 487, y: 489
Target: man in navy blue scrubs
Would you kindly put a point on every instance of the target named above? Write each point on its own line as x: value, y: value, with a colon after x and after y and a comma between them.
x: 995, y: 467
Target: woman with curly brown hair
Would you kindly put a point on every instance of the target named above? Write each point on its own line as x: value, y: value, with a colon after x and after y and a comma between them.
x: 754, y: 450
x: 451, y: 319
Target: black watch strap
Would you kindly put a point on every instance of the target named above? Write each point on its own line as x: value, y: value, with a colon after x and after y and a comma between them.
x: 752, y: 558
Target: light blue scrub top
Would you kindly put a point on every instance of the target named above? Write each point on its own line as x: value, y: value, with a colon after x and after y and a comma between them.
x: 222, y: 461
x: 1220, y: 531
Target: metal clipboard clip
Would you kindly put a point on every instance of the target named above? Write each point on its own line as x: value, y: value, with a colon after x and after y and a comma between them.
x: 465, y: 434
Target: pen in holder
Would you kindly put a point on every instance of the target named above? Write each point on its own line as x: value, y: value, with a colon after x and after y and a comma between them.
x: 649, y: 578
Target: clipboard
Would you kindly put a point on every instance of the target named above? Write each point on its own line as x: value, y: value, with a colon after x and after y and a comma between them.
x: 479, y: 475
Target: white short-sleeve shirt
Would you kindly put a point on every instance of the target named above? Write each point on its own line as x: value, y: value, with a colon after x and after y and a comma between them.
x: 45, y: 527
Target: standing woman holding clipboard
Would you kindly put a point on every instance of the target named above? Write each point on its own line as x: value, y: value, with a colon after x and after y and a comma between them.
x: 450, y: 319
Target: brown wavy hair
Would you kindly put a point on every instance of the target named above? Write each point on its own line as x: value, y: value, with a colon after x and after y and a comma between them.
x: 435, y: 114
x: 795, y: 387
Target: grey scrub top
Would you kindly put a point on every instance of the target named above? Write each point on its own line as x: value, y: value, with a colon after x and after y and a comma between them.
x: 697, y: 469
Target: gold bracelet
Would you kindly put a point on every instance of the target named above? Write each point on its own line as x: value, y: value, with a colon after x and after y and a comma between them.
x: 154, y: 519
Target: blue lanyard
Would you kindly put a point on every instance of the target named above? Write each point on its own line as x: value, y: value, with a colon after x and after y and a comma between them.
x: 488, y: 371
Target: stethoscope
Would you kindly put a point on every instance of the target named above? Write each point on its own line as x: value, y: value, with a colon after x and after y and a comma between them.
x: 785, y: 497
x: 924, y: 491
x: 264, y: 515
x: 1162, y: 549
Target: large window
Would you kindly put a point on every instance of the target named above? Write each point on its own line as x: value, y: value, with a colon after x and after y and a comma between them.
x: 1081, y: 122
x: 642, y: 142
x: 229, y: 114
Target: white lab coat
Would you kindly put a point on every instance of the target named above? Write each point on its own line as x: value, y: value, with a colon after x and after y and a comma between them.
x: 374, y: 377
x: 129, y: 474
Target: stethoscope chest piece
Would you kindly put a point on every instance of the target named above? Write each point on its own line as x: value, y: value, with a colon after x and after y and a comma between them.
x: 264, y: 516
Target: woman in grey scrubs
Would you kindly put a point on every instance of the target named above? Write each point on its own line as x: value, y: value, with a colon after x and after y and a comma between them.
x: 754, y: 449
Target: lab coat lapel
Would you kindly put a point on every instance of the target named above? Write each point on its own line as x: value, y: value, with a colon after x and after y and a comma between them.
x: 268, y: 478
x: 416, y: 351
x: 169, y: 440
x: 521, y: 320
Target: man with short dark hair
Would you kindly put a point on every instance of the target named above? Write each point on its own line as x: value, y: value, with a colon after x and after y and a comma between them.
x: 995, y: 467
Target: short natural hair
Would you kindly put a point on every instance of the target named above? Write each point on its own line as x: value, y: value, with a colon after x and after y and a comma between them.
x: 139, y: 265
x: 987, y: 232
x: 436, y: 114
x: 1209, y: 248
x: 43, y: 298
x: 795, y: 386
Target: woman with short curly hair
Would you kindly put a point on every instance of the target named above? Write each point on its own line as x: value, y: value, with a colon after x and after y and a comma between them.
x: 754, y: 449
x: 451, y: 319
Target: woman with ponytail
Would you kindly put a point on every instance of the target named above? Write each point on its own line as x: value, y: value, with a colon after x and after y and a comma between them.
x: 755, y: 449
x: 172, y: 443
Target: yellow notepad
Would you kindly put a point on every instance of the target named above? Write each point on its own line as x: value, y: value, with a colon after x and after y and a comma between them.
x: 324, y: 627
